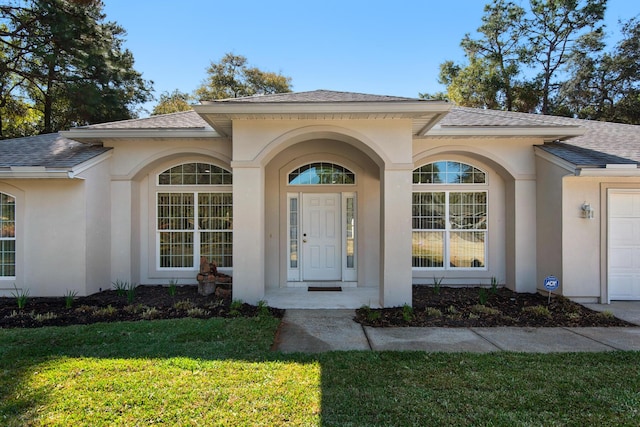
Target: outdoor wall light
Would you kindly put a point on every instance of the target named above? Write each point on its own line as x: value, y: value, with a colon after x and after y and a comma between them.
x: 587, y: 211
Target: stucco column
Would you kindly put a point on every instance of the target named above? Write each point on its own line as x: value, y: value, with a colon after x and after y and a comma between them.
x: 248, y: 233
x: 121, y: 222
x: 395, y: 274
x: 523, y: 262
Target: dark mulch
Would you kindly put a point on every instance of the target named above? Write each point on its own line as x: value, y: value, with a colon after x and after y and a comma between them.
x: 149, y: 303
x: 461, y: 307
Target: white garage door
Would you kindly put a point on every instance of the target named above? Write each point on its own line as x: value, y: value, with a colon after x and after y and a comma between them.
x: 624, y: 245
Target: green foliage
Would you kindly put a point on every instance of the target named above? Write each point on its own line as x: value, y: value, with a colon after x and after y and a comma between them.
x: 538, y: 310
x: 107, y: 311
x: 198, y: 312
x: 235, y: 306
x: 21, y: 296
x: 120, y: 286
x: 64, y: 61
x: 131, y: 292
x: 483, y: 295
x: 407, y: 313
x: 494, y: 285
x: 437, y: 285
x: 263, y: 308
x: 369, y: 314
x: 433, y: 312
x: 231, y: 77
x: 69, y: 297
x: 483, y: 309
x: 183, y: 305
x: 173, y: 102
x: 173, y: 287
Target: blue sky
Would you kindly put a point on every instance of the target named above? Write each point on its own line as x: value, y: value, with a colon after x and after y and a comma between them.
x: 376, y: 47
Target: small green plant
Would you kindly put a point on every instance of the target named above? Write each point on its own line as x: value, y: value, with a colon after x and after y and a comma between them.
x: 483, y: 309
x: 120, y: 286
x: 407, y: 313
x: 107, y: 311
x: 197, y: 312
x: 41, y: 317
x: 538, y: 310
x: 131, y: 292
x: 263, y: 309
x: 173, y: 287
x: 452, y: 310
x: 150, y: 313
x: 21, y: 296
x: 234, y: 308
x: 473, y: 316
x: 432, y: 312
x: 135, y: 308
x: 494, y: 285
x: 437, y: 285
x: 483, y: 296
x: 369, y: 314
x: 184, y: 305
x: 606, y: 314
x: 69, y: 297
x: 86, y: 309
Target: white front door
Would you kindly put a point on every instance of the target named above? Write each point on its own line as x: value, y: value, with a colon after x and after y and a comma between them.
x: 624, y: 245
x: 321, y: 237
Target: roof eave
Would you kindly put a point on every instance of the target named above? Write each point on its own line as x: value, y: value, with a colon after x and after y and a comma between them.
x: 548, y: 133
x: 90, y: 135
x: 44, y: 172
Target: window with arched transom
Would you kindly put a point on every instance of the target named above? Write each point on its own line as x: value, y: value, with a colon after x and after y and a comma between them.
x: 449, y: 216
x: 194, y: 216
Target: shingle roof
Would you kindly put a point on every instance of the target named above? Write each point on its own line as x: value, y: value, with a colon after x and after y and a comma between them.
x: 317, y: 96
x: 50, y: 150
x: 583, y: 157
x: 182, y: 120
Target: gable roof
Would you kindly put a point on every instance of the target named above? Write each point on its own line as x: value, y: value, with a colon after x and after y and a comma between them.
x: 317, y: 96
x: 41, y: 155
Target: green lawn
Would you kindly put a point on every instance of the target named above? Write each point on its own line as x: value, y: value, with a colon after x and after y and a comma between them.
x: 221, y: 372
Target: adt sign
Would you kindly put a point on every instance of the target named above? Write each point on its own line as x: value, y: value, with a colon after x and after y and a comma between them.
x: 551, y: 283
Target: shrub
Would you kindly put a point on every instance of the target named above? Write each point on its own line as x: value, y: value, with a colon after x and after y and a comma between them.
x: 107, y: 311
x: 483, y: 309
x: 69, y: 297
x: 150, y: 313
x: 184, y: 305
x: 407, y: 313
x: 21, y: 296
x: 538, y: 310
x: 433, y: 312
x: 197, y: 312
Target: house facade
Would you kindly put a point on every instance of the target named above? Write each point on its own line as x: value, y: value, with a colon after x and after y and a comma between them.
x: 372, y: 194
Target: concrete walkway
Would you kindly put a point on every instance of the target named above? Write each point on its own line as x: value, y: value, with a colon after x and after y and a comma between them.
x: 315, y: 331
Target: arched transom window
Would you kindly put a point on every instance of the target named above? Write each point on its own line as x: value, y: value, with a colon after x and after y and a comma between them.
x: 7, y: 235
x: 195, y: 174
x: 197, y: 221
x: 321, y: 173
x: 449, y: 216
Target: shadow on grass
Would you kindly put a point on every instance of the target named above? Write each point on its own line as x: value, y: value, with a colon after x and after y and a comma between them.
x: 271, y: 388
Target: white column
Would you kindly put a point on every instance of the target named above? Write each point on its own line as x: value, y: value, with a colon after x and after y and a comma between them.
x: 248, y: 233
x: 524, y: 261
x: 395, y: 274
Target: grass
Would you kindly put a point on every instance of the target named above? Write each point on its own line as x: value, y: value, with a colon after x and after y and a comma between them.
x: 221, y: 372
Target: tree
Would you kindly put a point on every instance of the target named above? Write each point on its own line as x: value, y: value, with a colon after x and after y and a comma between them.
x: 556, y: 28
x: 500, y: 44
x: 606, y: 85
x: 69, y: 64
x: 172, y: 102
x: 475, y: 85
x: 231, y: 77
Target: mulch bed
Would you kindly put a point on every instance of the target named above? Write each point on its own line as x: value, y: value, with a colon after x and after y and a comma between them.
x: 467, y: 307
x: 149, y: 303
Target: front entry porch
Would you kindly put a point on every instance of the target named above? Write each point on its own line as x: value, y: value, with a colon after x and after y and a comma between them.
x: 301, y: 297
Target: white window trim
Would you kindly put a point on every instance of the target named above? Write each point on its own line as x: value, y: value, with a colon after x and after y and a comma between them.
x: 14, y: 238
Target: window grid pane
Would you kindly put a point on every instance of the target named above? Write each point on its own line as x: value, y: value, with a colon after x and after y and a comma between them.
x: 293, y: 232
x: 321, y: 174
x: 176, y: 249
x: 450, y: 212
x: 7, y: 235
x: 217, y: 246
x: 195, y: 174
x: 448, y: 172
x: 350, y: 231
